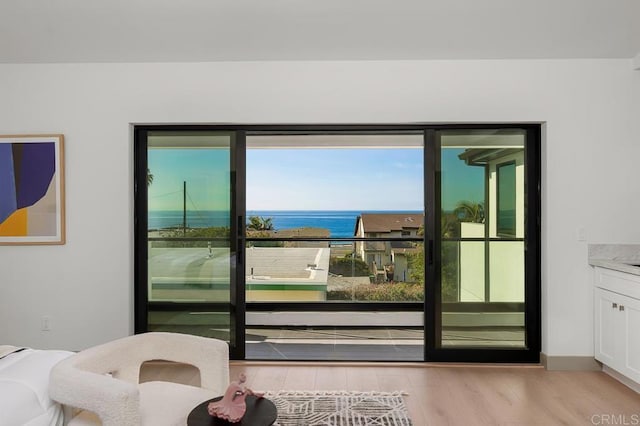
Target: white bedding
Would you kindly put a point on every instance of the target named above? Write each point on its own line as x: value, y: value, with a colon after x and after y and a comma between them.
x: 24, y: 383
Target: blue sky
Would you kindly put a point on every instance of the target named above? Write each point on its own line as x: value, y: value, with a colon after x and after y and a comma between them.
x: 334, y: 179
x: 206, y: 172
x: 459, y: 182
x: 308, y: 179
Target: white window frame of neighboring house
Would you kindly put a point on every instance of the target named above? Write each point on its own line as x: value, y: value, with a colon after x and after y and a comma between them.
x: 500, y: 231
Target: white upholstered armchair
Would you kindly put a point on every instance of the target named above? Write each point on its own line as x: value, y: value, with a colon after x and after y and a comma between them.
x: 103, y: 381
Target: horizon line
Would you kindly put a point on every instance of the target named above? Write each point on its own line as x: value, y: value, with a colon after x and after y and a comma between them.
x: 292, y: 210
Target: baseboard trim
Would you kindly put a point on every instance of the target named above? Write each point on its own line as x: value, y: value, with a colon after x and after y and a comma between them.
x: 622, y: 379
x: 570, y: 363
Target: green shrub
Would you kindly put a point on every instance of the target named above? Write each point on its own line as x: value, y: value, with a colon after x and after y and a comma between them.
x: 386, y: 292
x: 348, y: 267
x: 219, y: 237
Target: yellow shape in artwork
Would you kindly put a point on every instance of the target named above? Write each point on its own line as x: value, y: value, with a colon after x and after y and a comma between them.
x: 15, y: 225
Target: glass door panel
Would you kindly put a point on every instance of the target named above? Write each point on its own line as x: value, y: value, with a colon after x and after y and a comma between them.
x: 335, y: 256
x: 482, y: 248
x: 190, y: 252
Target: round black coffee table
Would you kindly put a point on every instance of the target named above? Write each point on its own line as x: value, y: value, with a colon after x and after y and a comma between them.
x: 260, y: 412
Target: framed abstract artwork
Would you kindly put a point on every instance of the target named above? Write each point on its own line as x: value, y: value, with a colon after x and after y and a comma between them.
x: 32, y: 189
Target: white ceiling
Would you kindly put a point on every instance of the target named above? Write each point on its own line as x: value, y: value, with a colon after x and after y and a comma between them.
x: 33, y: 31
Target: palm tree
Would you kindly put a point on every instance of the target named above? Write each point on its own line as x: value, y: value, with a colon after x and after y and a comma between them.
x: 470, y: 211
x: 149, y: 177
x: 258, y: 223
x: 448, y: 224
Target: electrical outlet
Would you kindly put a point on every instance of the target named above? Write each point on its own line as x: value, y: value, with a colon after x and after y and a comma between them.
x: 46, y: 323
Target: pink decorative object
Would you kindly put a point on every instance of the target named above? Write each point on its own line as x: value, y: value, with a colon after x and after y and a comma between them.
x: 232, y: 406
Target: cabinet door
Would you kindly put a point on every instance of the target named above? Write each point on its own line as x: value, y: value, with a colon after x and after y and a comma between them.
x: 606, y: 329
x: 629, y: 310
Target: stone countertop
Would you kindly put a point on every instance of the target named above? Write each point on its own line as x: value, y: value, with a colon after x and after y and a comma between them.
x: 619, y: 257
x: 616, y: 265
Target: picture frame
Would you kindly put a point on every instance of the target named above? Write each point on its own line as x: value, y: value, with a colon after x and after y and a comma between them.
x: 32, y: 204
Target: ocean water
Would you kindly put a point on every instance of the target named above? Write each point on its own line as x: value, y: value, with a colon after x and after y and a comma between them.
x: 159, y: 219
x: 341, y: 224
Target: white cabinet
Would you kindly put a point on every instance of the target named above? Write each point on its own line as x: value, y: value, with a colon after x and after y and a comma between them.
x: 617, y: 321
x: 607, y: 339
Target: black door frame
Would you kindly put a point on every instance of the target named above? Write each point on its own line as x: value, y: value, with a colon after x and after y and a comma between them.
x: 532, y: 297
x: 236, y: 306
x: 432, y: 305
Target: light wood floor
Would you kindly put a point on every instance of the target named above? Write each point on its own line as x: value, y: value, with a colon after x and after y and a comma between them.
x: 459, y: 394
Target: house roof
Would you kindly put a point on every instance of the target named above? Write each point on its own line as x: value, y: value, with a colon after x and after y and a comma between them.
x: 481, y: 156
x: 389, y: 222
x: 405, y: 247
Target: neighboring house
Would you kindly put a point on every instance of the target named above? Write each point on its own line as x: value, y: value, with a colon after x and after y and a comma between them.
x: 387, y: 259
x: 505, y: 183
x: 494, y: 271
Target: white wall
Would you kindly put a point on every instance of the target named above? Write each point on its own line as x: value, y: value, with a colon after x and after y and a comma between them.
x: 86, y: 286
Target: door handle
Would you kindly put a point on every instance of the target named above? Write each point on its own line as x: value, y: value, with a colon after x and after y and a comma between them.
x: 239, y: 256
x: 430, y: 254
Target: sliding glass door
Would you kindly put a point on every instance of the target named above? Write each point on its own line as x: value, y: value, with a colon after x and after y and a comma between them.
x: 186, y: 256
x: 339, y: 242
x: 485, y: 301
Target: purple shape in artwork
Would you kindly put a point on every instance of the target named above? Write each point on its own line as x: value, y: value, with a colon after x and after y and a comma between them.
x: 36, y: 169
x: 7, y: 183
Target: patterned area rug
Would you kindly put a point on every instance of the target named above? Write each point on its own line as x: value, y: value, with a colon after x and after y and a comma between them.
x: 316, y: 408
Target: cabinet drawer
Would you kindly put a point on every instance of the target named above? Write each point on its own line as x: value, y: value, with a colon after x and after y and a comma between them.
x: 618, y: 282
